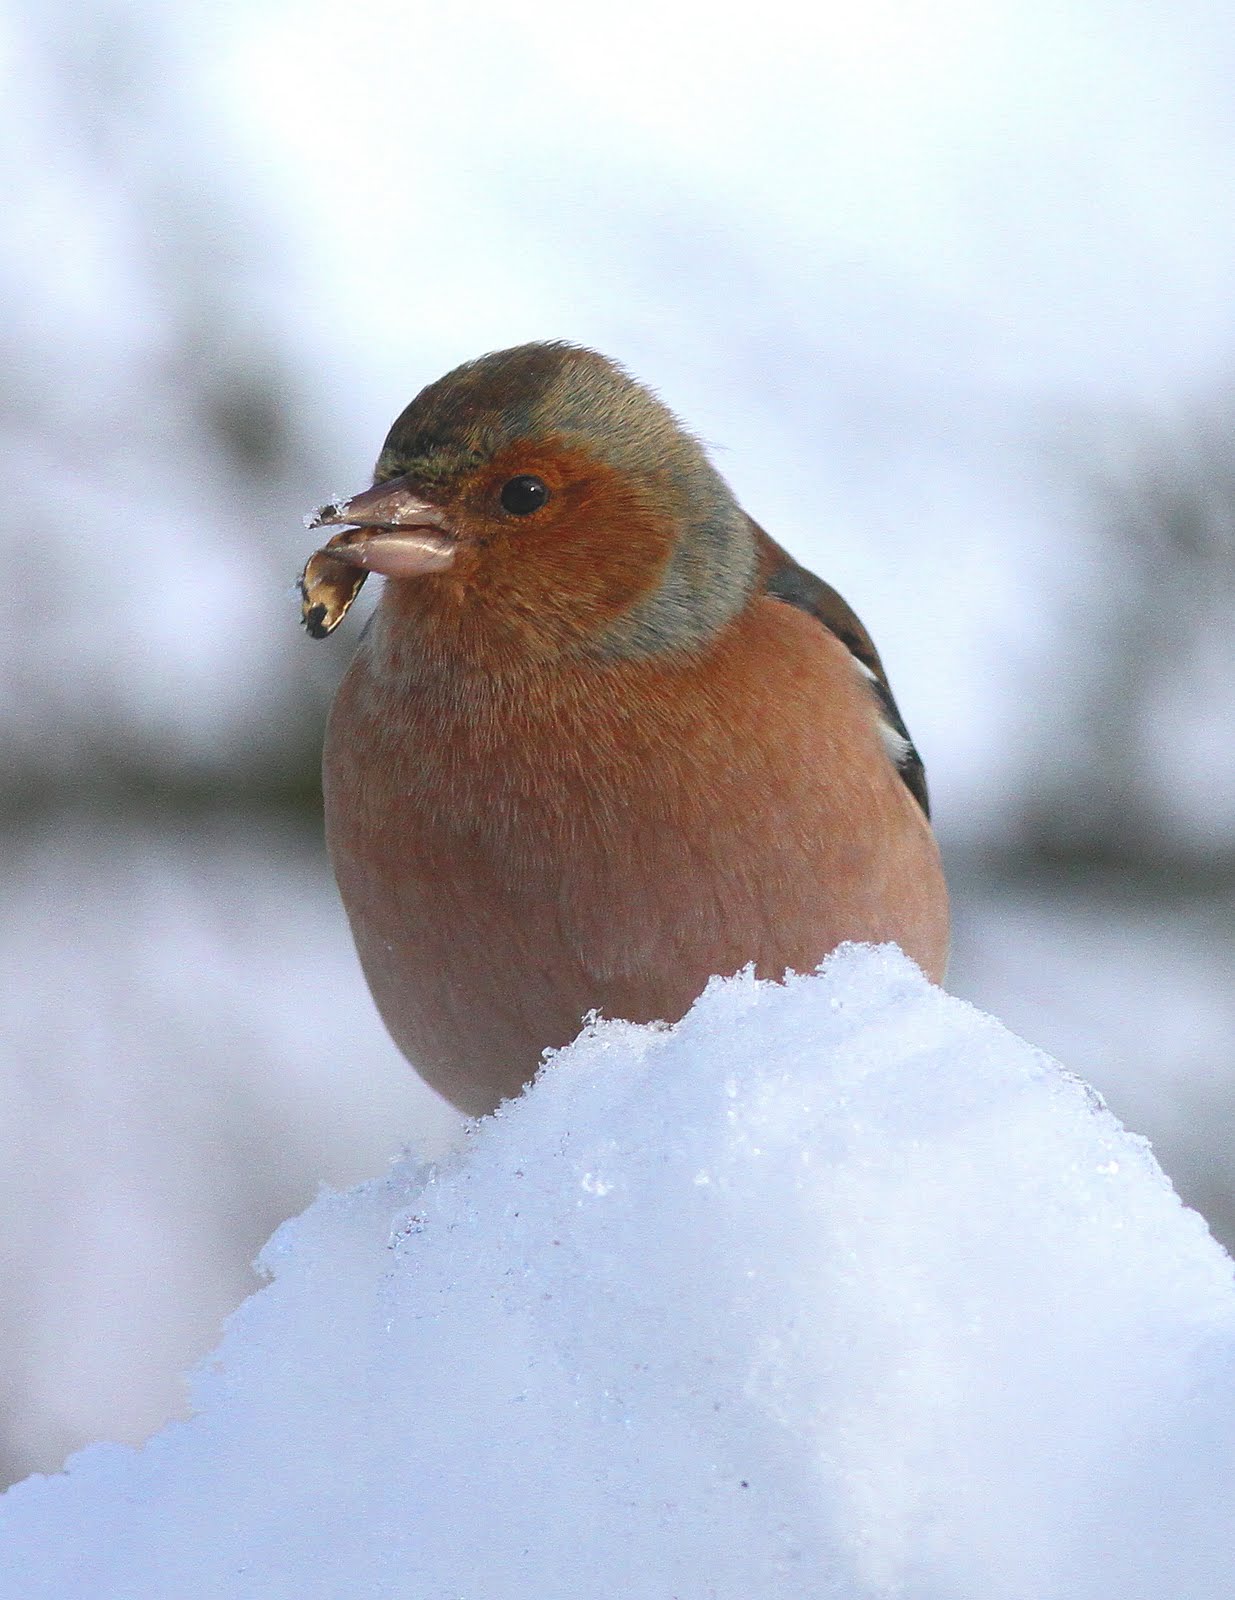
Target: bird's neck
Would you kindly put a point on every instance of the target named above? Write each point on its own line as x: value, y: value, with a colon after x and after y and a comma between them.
x: 710, y: 576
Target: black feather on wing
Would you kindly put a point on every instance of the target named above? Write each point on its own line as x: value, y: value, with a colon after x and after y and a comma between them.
x: 785, y: 580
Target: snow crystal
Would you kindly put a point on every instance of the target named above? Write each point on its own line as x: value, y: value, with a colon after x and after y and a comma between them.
x: 834, y: 1289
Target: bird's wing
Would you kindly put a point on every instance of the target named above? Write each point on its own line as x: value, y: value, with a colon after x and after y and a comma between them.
x: 785, y: 580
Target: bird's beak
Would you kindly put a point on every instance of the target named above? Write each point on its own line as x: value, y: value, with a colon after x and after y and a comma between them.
x: 396, y: 533
x: 393, y: 532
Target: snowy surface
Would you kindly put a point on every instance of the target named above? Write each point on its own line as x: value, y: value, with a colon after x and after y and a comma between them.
x: 834, y: 1289
x: 145, y: 1165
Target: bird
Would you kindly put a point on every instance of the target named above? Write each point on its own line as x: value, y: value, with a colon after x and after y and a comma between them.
x: 602, y: 738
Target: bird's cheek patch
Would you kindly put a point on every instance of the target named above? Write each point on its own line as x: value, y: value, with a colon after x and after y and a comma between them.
x: 327, y: 587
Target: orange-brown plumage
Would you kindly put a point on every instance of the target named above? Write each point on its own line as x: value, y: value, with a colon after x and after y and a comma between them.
x: 611, y: 749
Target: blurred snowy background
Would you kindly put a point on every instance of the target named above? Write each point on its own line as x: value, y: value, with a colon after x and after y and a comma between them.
x: 951, y: 290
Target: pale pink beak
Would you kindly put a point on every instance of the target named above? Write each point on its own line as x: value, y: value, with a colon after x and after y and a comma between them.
x: 396, y: 533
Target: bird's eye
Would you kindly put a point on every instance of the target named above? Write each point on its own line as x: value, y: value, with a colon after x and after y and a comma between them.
x: 524, y: 494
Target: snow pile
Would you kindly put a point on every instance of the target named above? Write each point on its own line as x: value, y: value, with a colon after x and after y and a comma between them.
x: 836, y: 1289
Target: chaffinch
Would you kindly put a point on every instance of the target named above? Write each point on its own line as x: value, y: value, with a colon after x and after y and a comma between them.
x: 602, y: 737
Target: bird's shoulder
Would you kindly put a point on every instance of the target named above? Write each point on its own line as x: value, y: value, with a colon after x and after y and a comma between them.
x: 784, y: 579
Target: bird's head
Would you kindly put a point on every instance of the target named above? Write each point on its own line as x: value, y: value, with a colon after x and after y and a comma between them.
x: 541, y: 498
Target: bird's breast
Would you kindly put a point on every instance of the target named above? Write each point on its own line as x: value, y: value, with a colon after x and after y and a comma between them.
x: 608, y: 835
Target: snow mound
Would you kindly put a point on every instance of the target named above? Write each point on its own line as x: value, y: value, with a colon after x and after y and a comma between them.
x: 834, y: 1289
